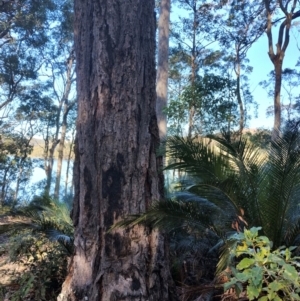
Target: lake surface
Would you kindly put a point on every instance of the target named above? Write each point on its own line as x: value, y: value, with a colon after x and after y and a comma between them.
x: 38, y: 178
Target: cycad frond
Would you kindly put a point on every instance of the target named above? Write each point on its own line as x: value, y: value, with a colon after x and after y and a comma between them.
x: 46, y: 218
x: 280, y: 200
x: 175, y: 213
x: 226, y: 255
x: 196, y: 157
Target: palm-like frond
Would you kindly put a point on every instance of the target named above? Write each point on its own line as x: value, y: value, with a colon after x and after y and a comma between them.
x: 279, y: 199
x: 189, y: 212
x: 238, y: 176
x: 50, y: 218
x: 215, y: 166
x: 196, y: 157
x: 226, y: 255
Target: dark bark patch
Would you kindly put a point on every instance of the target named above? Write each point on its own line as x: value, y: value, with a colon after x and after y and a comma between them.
x: 112, y: 190
x: 116, y: 245
x: 135, y: 285
x: 88, y: 191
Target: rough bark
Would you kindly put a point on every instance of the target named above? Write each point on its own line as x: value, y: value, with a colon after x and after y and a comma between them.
x: 115, y: 168
x: 163, y: 67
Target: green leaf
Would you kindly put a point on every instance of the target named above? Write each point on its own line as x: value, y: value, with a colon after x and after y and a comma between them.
x: 264, y: 298
x: 275, y: 286
x: 245, y: 263
x: 238, y: 288
x: 295, y: 296
x: 243, y: 277
x: 229, y: 284
x: 253, y: 292
x: 290, y: 273
x: 262, y: 254
x: 276, y: 259
x: 287, y: 254
x: 264, y: 239
x: 257, y: 276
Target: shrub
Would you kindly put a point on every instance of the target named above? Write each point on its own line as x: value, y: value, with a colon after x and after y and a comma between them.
x: 262, y: 274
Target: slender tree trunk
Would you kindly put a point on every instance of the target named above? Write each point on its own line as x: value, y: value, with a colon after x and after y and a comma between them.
x: 115, y: 170
x: 194, y: 67
x: 49, y: 165
x: 20, y: 172
x: 67, y: 106
x: 163, y: 67
x: 277, y: 102
x: 239, y: 96
x: 60, y: 157
x: 68, y: 165
x: 290, y: 13
x: 4, y: 185
x: 192, y: 110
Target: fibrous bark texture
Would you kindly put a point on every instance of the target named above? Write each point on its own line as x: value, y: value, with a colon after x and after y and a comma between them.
x: 116, y: 170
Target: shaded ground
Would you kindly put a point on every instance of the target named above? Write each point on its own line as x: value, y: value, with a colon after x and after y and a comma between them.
x: 8, y: 270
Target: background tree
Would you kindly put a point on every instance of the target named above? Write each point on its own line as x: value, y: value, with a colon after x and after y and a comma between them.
x: 215, y: 107
x: 238, y: 33
x: 290, y: 98
x: 289, y: 11
x: 59, y: 69
x: 116, y: 171
x: 23, y: 38
x: 192, y: 37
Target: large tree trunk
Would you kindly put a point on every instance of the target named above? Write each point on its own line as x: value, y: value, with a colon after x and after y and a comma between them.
x: 116, y: 170
x: 163, y: 67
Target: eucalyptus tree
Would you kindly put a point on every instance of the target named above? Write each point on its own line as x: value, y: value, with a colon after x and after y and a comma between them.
x: 62, y: 83
x: 116, y: 171
x: 58, y: 71
x: 215, y: 107
x: 282, y: 13
x: 23, y: 37
x: 192, y: 35
x: 290, y: 95
x: 241, y: 29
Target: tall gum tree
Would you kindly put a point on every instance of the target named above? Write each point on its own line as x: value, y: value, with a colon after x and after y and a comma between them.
x: 290, y: 10
x: 116, y: 169
x: 237, y: 35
